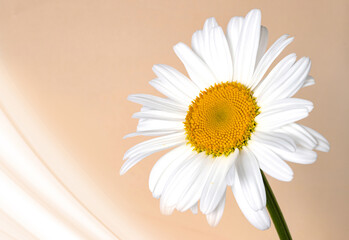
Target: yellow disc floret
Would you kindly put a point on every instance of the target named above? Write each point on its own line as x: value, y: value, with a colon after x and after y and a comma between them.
x: 221, y: 118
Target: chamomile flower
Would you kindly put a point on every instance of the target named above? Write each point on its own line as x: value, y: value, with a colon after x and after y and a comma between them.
x: 226, y: 122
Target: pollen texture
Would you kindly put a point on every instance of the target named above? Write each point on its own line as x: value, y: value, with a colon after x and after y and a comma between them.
x: 221, y: 119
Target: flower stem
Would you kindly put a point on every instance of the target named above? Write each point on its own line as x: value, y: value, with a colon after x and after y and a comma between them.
x: 275, y: 212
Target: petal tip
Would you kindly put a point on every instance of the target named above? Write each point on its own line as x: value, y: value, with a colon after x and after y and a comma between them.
x: 255, y: 11
x: 128, y: 135
x: 122, y: 171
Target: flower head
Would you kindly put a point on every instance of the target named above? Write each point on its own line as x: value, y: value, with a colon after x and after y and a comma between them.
x: 227, y: 121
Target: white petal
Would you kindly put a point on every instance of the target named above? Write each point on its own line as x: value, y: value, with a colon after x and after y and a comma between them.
x: 146, y: 148
x: 286, y: 104
x: 195, y: 66
x: 309, y: 81
x: 219, y: 61
x: 289, y: 83
x: 260, y: 219
x: 164, y: 164
x: 271, y: 163
x: 198, y: 44
x: 177, y: 79
x: 157, y: 103
x: 215, y: 216
x: 161, y: 115
x: 170, y: 91
x: 297, y: 79
x: 268, y: 58
x: 212, y: 46
x: 194, y: 209
x: 275, y: 139
x: 159, y: 125
x: 163, y: 171
x: 301, y: 136
x: 263, y: 42
x: 233, y: 34
x: 280, y: 117
x: 231, y: 175
x: 301, y: 155
x: 209, y: 24
x: 144, y: 109
x: 166, y: 210
x: 216, y: 182
x: 200, y: 38
x: 147, y: 127
x: 150, y: 133
x: 322, y: 143
x: 181, y: 181
x: 271, y: 83
x: 247, y: 48
x: 251, y: 181
x: 194, y: 192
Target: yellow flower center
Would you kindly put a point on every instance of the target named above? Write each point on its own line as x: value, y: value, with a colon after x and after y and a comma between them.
x: 221, y: 119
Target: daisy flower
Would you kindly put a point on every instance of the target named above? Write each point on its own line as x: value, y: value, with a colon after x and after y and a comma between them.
x: 225, y: 123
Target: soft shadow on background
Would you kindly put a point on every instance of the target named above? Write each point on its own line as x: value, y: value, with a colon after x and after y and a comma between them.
x: 73, y: 63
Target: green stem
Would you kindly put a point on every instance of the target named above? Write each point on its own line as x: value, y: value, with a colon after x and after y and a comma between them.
x: 275, y: 212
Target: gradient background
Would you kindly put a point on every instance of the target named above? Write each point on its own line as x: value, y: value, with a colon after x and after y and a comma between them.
x: 73, y: 63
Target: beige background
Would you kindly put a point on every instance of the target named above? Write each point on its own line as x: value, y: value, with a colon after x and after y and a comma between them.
x: 75, y: 62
